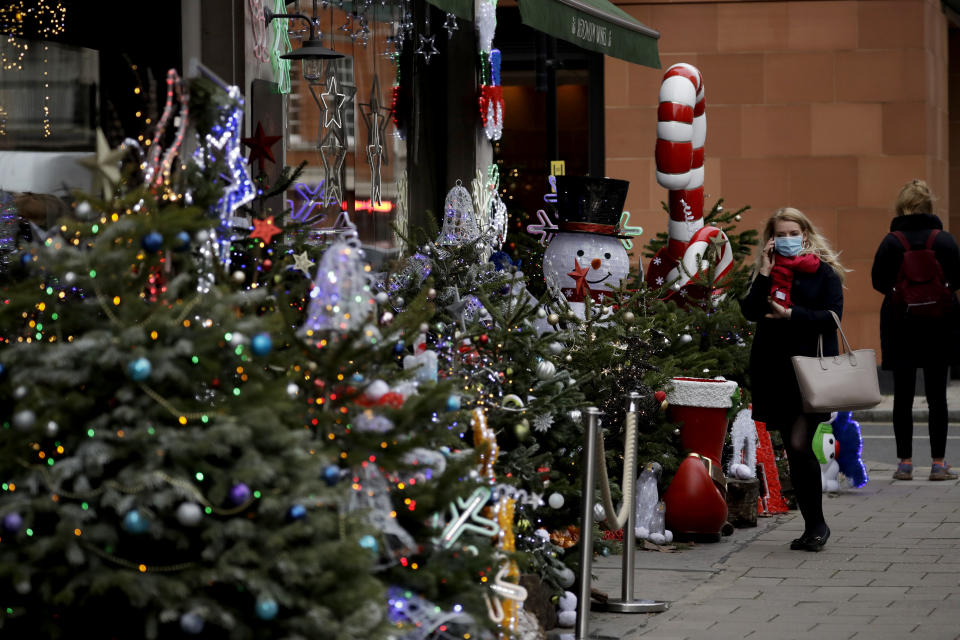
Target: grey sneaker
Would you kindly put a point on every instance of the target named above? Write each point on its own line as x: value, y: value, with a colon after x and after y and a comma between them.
x: 904, y: 471
x: 942, y: 472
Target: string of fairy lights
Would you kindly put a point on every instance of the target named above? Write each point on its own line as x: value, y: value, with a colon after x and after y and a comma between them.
x: 42, y: 19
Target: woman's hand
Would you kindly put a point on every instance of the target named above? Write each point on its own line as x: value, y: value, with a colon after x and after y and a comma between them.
x: 777, y: 310
x: 766, y: 258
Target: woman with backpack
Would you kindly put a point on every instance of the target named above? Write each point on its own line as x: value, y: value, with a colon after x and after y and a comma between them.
x: 797, y: 283
x: 917, y: 268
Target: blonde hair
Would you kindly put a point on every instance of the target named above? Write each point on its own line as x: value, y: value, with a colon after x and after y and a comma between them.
x: 915, y: 197
x: 815, y: 243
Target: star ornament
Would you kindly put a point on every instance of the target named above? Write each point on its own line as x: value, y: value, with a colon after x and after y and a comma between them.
x: 264, y: 230
x: 260, y: 147
x: 579, y: 274
x: 302, y: 262
x: 333, y: 102
x: 105, y: 165
x: 426, y: 48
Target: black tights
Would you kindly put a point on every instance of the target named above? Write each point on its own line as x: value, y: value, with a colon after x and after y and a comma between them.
x: 935, y: 388
x: 805, y: 473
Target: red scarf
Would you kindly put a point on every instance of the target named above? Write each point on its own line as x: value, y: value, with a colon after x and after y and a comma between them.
x: 782, y: 275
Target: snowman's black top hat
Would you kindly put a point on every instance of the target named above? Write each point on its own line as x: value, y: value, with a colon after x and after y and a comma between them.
x: 591, y: 205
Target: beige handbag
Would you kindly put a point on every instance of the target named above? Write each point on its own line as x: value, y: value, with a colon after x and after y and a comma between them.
x: 845, y: 382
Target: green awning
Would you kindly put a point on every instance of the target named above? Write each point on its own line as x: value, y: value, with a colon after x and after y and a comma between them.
x: 597, y: 25
x: 463, y: 9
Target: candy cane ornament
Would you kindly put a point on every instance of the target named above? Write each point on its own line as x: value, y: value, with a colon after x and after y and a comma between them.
x: 679, y: 153
x: 694, y: 261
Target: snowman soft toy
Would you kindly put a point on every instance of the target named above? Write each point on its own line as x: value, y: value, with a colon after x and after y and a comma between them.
x: 586, y: 256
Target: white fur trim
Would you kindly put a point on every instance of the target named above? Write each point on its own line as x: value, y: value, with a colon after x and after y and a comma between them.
x: 743, y: 436
x: 701, y: 392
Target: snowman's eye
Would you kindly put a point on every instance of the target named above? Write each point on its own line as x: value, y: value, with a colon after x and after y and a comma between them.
x: 580, y: 253
x: 607, y: 256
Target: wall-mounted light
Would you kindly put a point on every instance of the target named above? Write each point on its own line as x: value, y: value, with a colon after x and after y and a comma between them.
x: 311, y: 53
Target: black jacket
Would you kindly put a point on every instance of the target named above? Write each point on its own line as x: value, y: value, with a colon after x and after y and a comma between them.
x: 916, y: 342
x: 776, y: 395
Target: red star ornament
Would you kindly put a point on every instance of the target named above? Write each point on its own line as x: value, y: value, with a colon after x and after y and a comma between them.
x: 580, y: 275
x: 260, y: 146
x: 264, y: 229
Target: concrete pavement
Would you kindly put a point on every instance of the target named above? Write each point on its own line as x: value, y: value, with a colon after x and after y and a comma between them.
x: 890, y: 570
x: 883, y: 412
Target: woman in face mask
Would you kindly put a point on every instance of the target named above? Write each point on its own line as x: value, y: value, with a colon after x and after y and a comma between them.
x: 797, y: 282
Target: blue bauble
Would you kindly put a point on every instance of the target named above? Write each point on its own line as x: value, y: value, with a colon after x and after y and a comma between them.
x: 12, y: 522
x: 239, y: 493
x: 398, y: 347
x: 331, y: 475
x: 191, y: 623
x: 139, y: 369
x: 267, y: 608
x: 135, y: 523
x: 369, y: 542
x: 297, y: 512
x: 183, y: 241
x: 453, y: 403
x: 3, y: 369
x: 153, y: 241
x: 357, y: 377
x: 261, y: 344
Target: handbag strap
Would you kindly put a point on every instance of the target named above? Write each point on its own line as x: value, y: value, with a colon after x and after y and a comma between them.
x: 843, y: 337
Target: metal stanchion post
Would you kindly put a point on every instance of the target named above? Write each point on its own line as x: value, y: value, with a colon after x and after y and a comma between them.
x: 586, y: 522
x: 626, y: 603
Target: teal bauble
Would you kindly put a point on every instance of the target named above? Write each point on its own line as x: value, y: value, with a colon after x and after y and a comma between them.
x: 134, y: 522
x: 139, y: 369
x: 266, y: 608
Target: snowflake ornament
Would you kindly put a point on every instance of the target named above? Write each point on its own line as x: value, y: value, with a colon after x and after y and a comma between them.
x: 542, y: 423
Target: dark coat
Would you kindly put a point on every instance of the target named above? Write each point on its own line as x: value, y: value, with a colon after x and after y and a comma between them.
x: 908, y: 341
x: 776, y: 395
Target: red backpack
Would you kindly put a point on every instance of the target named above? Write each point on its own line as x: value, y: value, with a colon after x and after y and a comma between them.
x: 920, y: 290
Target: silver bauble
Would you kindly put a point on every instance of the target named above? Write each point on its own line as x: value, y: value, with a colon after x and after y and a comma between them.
x: 546, y: 370
x: 25, y: 419
x: 51, y: 429
x: 686, y: 338
x: 629, y: 317
x: 555, y: 500
x: 381, y: 298
x: 239, y: 276
x: 189, y: 514
x: 20, y: 392
x: 553, y: 318
x: 293, y: 390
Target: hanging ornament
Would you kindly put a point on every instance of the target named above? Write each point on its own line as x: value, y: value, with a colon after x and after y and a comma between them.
x: 261, y: 344
x: 333, y: 153
x: 159, y: 163
x: 239, y: 494
x: 302, y: 262
x: 260, y: 146
x: 139, y: 369
x: 191, y: 623
x: 376, y: 118
x: 189, y: 514
x: 266, y: 608
x: 426, y: 48
x: 546, y: 370
x: 491, y: 95
x: 450, y: 24
x: 341, y: 299
x: 134, y: 522
x: 460, y: 225
x: 264, y: 230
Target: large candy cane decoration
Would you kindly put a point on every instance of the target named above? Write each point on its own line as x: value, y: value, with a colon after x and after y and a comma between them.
x: 681, y: 133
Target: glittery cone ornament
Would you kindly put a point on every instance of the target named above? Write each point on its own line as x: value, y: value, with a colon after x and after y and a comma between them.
x: 340, y: 299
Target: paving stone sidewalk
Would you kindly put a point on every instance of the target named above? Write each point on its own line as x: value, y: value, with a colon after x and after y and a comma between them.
x: 890, y: 570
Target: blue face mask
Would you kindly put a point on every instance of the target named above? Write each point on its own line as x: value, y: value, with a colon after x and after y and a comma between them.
x: 788, y: 246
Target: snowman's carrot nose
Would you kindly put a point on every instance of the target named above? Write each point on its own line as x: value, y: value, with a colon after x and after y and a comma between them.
x: 595, y: 263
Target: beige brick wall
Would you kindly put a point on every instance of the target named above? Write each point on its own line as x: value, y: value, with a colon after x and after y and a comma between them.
x: 825, y: 106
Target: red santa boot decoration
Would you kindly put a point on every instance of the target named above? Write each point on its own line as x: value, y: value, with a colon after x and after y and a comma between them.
x: 696, y: 498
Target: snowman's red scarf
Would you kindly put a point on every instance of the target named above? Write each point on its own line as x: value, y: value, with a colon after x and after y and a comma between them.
x: 596, y: 295
x: 782, y: 275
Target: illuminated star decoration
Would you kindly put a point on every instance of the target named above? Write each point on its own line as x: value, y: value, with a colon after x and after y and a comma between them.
x: 302, y: 262
x: 264, y: 230
x: 311, y: 198
x: 376, y: 117
x: 546, y: 229
x: 422, y: 48
x: 260, y: 146
x: 450, y: 24
x: 105, y: 165
x: 333, y: 102
x: 332, y: 154
x: 580, y: 275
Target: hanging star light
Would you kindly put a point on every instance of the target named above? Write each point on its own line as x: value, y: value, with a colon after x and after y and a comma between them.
x: 312, y: 197
x: 376, y: 117
x: 332, y: 154
x: 302, y: 262
x: 260, y: 146
x: 333, y: 101
x: 105, y: 165
x: 426, y: 48
x: 450, y: 24
x: 264, y: 230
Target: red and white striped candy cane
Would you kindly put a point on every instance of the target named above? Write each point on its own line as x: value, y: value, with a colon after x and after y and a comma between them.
x: 681, y: 133
x: 694, y: 263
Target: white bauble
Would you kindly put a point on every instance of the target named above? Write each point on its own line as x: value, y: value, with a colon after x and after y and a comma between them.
x: 189, y: 514
x: 555, y: 500
x: 604, y: 256
x: 376, y: 390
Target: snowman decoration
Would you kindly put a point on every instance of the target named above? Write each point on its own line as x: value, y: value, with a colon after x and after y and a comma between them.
x: 586, y: 255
